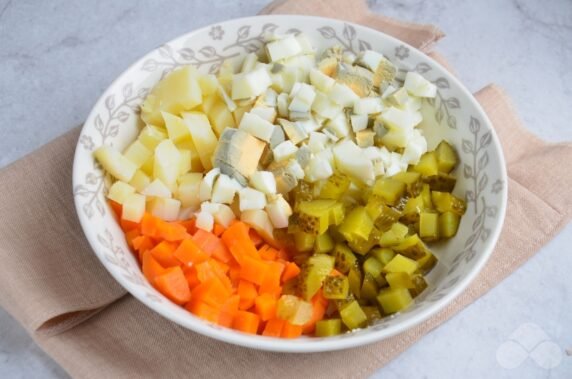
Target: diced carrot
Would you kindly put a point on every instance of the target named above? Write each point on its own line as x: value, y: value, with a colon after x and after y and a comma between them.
x: 142, y: 243
x: 237, y: 239
x: 228, y: 311
x: 191, y: 276
x: 265, y: 306
x: 220, y: 266
x: 255, y: 237
x: 212, y: 292
x: 283, y: 254
x: 174, y: 285
x: 189, y: 253
x: 291, y: 331
x: 247, y: 292
x: 130, y: 235
x: 126, y: 225
x: 190, y: 225
x: 268, y: 253
x: 234, y: 275
x: 205, y: 271
x: 271, y: 282
x: 273, y: 328
x: 253, y: 269
x: 204, y: 311
x: 171, y: 231
x: 163, y: 253
x: 117, y: 208
x: 149, y: 225
x: 218, y: 230
x: 335, y: 272
x: 290, y: 271
x: 246, y: 322
x: 150, y: 267
x: 210, y: 243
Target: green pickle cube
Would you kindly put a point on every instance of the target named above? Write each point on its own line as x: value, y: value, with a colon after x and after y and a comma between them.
x: 353, y: 316
x: 328, y: 328
x: 393, y: 300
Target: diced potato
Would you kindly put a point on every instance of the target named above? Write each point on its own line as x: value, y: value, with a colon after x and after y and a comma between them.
x: 140, y: 180
x: 115, y: 163
x: 208, y: 84
x: 157, y: 189
x: 167, y: 163
x: 133, y: 207
x: 176, y: 128
x: 120, y: 191
x: 204, y: 221
x: 202, y: 135
x: 188, y: 190
x: 177, y: 92
x: 138, y: 153
x: 259, y: 220
x: 164, y: 208
x: 151, y: 135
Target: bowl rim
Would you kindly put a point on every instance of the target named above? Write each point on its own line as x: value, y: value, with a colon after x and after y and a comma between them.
x: 320, y: 344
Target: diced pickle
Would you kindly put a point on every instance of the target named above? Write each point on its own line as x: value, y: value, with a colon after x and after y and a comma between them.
x: 369, y: 288
x: 355, y: 279
x: 336, y: 287
x: 315, y: 216
x: 324, y: 243
x: 412, y: 210
x: 446, y: 202
x: 383, y: 215
x: 353, y: 316
x: 429, y: 226
x: 383, y: 254
x: 313, y: 274
x: 427, y: 165
x: 426, y: 263
x: 357, y: 224
x: 372, y: 313
x: 446, y: 157
x: 372, y: 267
x: 448, y: 224
x: 399, y: 280
x: 426, y: 196
x: 400, y: 263
x: 419, y: 285
x: 412, y: 181
x: 328, y: 328
x: 335, y: 186
x: 441, y: 182
x: 345, y: 258
x: 412, y: 247
x: 361, y: 246
x: 390, y: 190
x: 304, y: 241
x: 394, y: 300
x: 394, y: 236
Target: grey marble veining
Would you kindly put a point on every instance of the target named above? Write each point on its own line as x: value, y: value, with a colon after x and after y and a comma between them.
x: 56, y: 57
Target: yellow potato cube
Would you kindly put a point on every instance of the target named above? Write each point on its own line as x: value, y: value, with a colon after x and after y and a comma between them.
x: 202, y: 135
x: 140, y: 180
x: 177, y: 92
x: 115, y: 163
x: 176, y: 128
x: 137, y: 153
x: 167, y: 164
x: 133, y: 207
x: 151, y: 135
x: 119, y: 191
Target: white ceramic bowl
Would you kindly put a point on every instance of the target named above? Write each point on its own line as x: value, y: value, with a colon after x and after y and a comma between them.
x: 454, y: 115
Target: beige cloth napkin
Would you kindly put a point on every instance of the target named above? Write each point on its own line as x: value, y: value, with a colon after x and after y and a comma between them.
x: 51, y: 282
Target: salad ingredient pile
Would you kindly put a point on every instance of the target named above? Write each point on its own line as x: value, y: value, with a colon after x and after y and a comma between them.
x: 292, y: 193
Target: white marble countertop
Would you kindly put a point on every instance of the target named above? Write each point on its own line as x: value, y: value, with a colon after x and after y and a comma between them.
x: 56, y: 57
